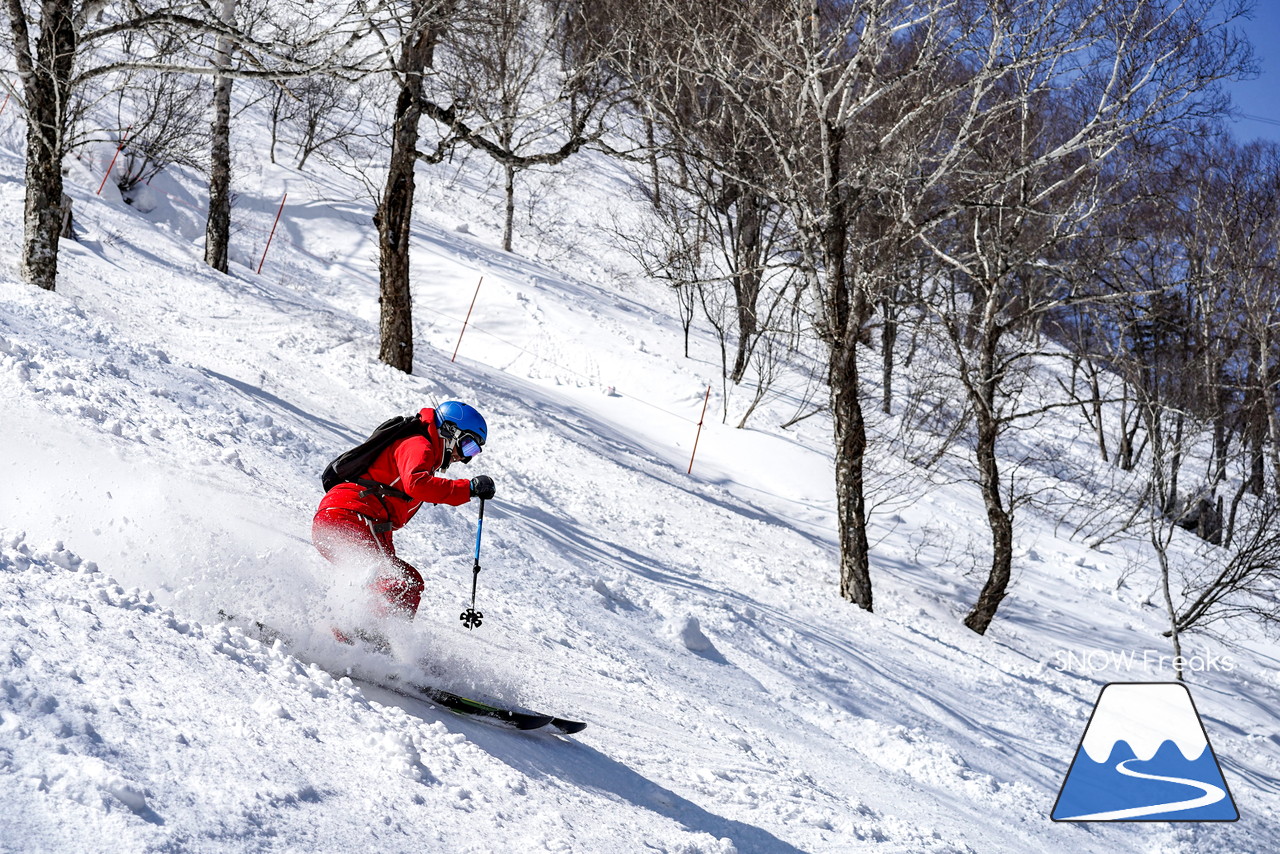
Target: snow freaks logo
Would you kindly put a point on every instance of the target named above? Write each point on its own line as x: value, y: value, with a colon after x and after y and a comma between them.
x: 1144, y: 756
x: 1147, y: 661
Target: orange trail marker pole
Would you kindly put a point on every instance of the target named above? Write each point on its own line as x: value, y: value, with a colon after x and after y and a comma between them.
x: 698, y: 436
x: 467, y: 320
x: 119, y: 148
x: 272, y: 235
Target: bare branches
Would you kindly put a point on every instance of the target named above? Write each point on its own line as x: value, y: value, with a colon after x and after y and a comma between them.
x: 461, y: 132
x: 1245, y: 582
x: 513, y: 83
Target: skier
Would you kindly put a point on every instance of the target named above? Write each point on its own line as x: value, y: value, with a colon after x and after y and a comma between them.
x: 354, y: 522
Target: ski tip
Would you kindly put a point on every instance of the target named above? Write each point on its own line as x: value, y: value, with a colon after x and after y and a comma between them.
x: 567, y: 727
x: 527, y: 722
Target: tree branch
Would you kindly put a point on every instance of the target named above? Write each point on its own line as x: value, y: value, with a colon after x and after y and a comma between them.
x: 461, y: 132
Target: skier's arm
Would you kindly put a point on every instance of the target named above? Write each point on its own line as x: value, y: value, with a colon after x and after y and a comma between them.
x: 416, y: 460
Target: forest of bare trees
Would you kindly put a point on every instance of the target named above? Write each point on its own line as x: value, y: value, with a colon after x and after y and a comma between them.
x: 833, y: 184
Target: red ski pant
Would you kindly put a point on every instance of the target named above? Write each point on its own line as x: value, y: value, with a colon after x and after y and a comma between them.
x: 344, y: 536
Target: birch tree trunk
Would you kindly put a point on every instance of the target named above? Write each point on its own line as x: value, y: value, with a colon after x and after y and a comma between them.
x: 999, y: 517
x: 46, y: 73
x: 509, y: 216
x: 844, y: 314
x: 217, y: 235
x: 748, y: 276
x: 851, y: 449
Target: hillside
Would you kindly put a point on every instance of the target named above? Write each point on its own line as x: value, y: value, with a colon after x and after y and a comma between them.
x: 163, y: 431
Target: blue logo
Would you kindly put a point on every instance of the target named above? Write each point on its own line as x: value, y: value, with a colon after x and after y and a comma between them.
x: 1145, y: 756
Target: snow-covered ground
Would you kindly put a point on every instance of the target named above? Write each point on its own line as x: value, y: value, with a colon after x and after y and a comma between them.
x: 163, y: 430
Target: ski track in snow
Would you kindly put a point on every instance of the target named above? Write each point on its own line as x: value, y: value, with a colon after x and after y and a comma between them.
x: 164, y: 427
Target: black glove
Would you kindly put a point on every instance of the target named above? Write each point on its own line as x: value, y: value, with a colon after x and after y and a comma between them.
x: 482, y: 487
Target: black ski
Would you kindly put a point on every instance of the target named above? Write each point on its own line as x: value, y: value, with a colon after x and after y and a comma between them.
x: 471, y: 708
x: 518, y: 718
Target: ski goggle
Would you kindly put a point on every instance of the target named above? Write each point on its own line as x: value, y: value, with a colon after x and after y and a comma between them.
x: 468, y: 446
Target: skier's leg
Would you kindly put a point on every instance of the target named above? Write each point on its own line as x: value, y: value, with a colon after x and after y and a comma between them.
x: 400, y: 587
x: 348, y: 540
x: 342, y: 536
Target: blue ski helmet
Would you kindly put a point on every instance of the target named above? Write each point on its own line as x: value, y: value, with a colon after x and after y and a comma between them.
x: 463, y: 418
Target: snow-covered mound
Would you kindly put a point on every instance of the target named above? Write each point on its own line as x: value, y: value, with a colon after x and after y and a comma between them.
x: 164, y: 426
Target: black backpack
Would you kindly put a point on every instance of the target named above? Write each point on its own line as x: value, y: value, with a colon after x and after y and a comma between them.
x: 348, y: 467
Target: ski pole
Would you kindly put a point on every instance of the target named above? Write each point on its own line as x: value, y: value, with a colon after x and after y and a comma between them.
x: 471, y: 618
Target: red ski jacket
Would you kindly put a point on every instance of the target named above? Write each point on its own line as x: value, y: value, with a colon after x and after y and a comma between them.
x: 408, y: 465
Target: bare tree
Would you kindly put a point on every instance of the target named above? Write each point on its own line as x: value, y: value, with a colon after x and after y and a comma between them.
x: 709, y: 154
x: 1253, y: 226
x: 1034, y: 181
x: 328, y: 110
x: 409, y: 32
x: 218, y: 223
x: 1199, y: 335
x: 834, y: 103
x: 163, y: 124
x: 45, y: 42
x: 298, y: 42
x: 729, y: 249
x: 1214, y: 583
x: 518, y: 86
x: 61, y: 48
x: 1240, y: 581
x: 1184, y: 339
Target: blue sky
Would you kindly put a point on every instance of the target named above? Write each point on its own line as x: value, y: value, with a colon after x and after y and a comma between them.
x: 1260, y: 97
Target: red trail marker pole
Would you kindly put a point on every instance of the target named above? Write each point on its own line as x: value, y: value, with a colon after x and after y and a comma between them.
x: 5, y: 104
x: 468, y: 319
x: 698, y: 436
x: 119, y: 148
x: 272, y: 235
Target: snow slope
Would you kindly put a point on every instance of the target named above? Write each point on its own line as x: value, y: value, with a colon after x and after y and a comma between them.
x: 162, y: 435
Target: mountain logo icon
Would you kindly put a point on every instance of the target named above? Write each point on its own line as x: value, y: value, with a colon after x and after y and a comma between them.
x: 1144, y: 756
